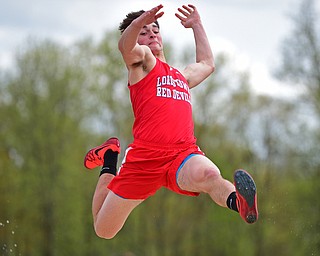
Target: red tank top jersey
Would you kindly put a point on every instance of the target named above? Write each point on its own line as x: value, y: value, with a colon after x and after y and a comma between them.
x: 162, y: 108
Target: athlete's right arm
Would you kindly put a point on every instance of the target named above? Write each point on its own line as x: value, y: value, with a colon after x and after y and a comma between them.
x: 133, y: 53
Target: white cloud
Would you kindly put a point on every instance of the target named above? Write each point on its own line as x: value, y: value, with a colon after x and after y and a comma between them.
x: 244, y: 27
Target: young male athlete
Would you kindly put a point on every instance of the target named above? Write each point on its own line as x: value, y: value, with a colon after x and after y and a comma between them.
x: 164, y: 151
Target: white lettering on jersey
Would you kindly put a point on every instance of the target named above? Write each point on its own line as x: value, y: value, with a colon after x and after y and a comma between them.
x: 169, y: 91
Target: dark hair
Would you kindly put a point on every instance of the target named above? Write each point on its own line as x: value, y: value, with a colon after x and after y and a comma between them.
x: 129, y: 18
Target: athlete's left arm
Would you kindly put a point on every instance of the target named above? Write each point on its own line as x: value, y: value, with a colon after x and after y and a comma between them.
x: 204, y: 66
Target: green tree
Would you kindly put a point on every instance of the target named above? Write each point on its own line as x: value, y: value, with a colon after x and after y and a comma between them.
x: 60, y: 101
x: 300, y: 56
x: 300, y: 66
x: 42, y: 103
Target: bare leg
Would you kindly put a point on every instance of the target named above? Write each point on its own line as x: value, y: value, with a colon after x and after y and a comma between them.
x: 199, y: 174
x: 100, y: 194
x: 109, y: 210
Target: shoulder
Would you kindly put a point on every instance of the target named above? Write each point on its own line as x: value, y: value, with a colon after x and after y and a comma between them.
x: 140, y: 69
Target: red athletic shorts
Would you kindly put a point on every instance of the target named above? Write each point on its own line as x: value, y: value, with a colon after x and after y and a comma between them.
x: 148, y: 167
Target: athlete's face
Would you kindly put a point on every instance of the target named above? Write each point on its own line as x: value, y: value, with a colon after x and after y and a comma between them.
x: 151, y: 37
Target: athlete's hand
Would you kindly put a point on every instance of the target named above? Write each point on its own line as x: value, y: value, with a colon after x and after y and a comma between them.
x: 150, y: 16
x: 189, y: 16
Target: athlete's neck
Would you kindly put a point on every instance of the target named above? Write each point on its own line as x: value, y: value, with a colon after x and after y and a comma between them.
x: 160, y: 56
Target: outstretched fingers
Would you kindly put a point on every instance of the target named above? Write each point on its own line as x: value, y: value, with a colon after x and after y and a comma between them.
x: 154, y: 12
x: 187, y: 15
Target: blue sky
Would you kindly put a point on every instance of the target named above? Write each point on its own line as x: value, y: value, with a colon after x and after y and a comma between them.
x: 250, y: 31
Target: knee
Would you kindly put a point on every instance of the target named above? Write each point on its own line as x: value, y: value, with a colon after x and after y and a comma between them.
x: 104, y: 232
x: 208, y: 174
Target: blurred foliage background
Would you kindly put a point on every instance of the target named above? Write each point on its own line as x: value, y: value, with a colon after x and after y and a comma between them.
x: 60, y: 101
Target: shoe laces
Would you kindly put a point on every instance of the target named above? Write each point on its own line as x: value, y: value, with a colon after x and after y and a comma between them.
x: 91, y: 156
